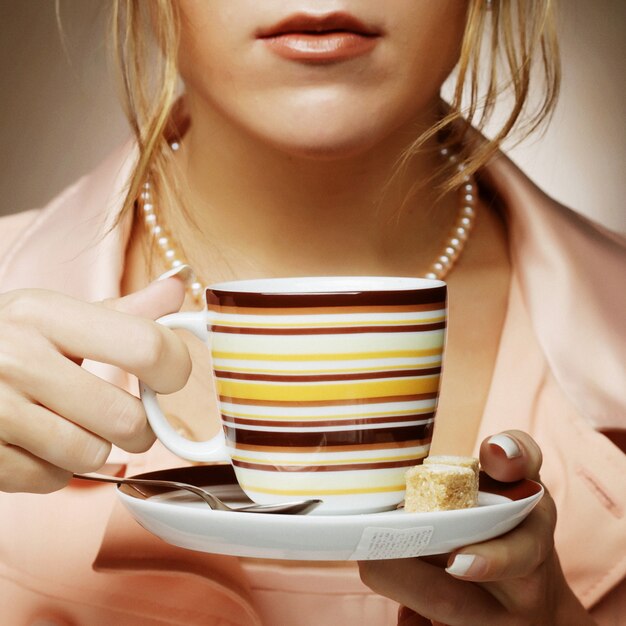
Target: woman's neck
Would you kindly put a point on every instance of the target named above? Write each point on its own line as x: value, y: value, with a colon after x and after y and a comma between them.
x: 269, y: 212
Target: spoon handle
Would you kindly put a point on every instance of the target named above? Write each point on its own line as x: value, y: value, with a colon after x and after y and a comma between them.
x: 211, y: 500
x: 292, y: 508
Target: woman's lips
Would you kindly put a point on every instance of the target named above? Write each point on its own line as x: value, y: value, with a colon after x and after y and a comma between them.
x: 324, y: 46
x: 320, y: 38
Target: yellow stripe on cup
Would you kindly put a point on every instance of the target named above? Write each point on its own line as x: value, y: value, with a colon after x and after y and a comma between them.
x: 316, y: 391
x: 347, y: 356
x: 348, y: 461
x: 324, y: 492
x: 333, y: 324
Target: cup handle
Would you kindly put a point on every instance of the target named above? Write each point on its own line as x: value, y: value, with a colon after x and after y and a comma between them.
x: 215, y: 448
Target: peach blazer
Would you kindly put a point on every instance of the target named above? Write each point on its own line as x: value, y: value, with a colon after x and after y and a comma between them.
x: 75, y: 556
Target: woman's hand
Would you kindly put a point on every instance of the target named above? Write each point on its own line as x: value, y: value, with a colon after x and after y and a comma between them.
x: 55, y: 417
x: 515, y: 579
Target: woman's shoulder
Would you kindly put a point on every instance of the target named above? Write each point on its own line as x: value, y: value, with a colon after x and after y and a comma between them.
x: 100, y: 189
x: 15, y: 226
x: 536, y: 217
x: 73, y: 238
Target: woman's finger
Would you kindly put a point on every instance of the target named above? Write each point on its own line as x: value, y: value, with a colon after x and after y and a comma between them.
x: 21, y: 471
x: 518, y: 553
x: 162, y: 296
x: 511, y: 455
x: 98, y: 332
x: 94, y: 404
x: 432, y: 593
x: 50, y: 437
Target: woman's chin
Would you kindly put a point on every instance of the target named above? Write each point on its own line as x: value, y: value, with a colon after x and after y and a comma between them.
x: 328, y: 133
x: 323, y: 153
x: 322, y: 146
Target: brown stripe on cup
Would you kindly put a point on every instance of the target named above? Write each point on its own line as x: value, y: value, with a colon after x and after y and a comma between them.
x: 331, y: 299
x: 338, y: 330
x: 389, y: 419
x: 340, y: 467
x: 430, y: 371
x: 327, y: 439
x: 352, y: 448
x: 337, y: 310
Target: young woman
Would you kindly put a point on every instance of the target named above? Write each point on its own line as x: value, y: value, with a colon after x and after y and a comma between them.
x: 311, y: 140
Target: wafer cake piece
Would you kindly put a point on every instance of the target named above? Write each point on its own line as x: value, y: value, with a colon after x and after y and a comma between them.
x: 433, y: 487
x: 449, y: 459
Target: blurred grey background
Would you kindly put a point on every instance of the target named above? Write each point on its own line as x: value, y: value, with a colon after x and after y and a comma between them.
x: 60, y: 115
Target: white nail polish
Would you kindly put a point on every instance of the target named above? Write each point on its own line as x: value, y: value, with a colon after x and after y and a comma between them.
x: 182, y: 271
x: 507, y: 444
x: 461, y: 564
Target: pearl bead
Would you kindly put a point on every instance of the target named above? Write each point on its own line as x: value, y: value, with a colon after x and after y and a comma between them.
x: 163, y: 242
x: 469, y: 198
x: 145, y: 195
x: 431, y: 275
x: 148, y: 208
x: 461, y: 233
x: 176, y: 263
x: 175, y: 146
x: 157, y: 230
x: 469, y: 187
x: 444, y: 259
x: 468, y: 211
x: 437, y: 267
x: 146, y: 185
x: 450, y: 251
x: 444, y: 151
x: 196, y: 288
x: 455, y: 242
x: 466, y: 222
x: 170, y: 254
x: 150, y: 218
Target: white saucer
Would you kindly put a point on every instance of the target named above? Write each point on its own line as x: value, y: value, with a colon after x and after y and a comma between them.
x: 182, y: 520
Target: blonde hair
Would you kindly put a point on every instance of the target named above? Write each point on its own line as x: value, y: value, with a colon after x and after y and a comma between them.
x: 519, y: 37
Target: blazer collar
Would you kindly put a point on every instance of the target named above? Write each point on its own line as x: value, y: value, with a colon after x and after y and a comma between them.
x: 571, y: 272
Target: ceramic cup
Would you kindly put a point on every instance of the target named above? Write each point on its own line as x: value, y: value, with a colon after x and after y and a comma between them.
x: 327, y: 386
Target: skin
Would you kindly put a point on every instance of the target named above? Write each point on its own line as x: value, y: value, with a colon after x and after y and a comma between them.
x: 301, y: 150
x: 249, y: 106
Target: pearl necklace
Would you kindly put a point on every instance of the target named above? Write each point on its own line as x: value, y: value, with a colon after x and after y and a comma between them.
x: 442, y: 266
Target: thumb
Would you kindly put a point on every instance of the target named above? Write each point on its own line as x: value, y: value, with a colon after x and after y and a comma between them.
x: 162, y: 296
x: 511, y: 455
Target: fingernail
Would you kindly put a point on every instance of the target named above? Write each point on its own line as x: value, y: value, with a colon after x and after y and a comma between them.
x: 507, y: 444
x: 182, y: 271
x: 467, y: 565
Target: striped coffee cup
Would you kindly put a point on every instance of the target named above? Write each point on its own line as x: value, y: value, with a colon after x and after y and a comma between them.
x: 327, y: 386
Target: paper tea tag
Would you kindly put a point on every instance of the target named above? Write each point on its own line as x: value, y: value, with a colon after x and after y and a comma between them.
x: 392, y: 543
